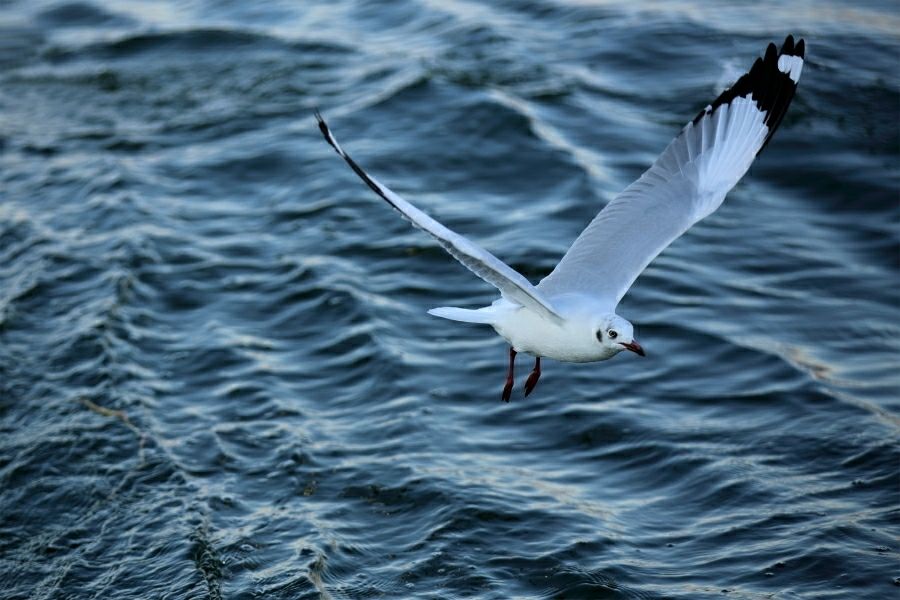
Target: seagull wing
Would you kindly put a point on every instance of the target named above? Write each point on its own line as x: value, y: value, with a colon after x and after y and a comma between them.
x: 512, y: 284
x: 686, y: 183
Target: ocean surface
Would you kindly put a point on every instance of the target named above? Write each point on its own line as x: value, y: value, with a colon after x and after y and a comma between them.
x: 218, y: 379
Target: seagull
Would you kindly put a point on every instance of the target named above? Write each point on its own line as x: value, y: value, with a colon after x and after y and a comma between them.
x: 570, y: 315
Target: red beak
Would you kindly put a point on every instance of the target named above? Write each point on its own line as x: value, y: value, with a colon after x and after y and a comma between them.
x: 634, y: 347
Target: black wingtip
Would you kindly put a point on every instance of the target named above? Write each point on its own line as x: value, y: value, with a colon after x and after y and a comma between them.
x: 323, y: 127
x: 326, y: 133
x: 771, y: 88
x: 788, y: 46
x: 793, y: 49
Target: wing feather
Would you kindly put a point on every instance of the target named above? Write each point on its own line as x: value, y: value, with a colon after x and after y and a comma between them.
x: 512, y: 284
x: 687, y: 182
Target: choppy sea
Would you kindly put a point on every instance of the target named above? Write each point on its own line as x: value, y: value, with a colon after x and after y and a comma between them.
x: 218, y: 379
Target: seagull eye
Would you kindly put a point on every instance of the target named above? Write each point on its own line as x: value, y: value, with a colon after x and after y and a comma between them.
x: 612, y: 334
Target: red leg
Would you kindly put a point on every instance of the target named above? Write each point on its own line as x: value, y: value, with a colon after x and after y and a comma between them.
x: 533, y: 378
x: 507, y: 389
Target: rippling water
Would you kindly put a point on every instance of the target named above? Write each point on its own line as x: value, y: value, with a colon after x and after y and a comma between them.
x: 218, y: 379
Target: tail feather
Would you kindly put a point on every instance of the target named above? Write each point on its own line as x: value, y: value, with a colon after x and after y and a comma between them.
x: 463, y: 314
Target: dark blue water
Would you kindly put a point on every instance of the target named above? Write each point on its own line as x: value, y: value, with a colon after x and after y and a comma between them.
x: 218, y: 379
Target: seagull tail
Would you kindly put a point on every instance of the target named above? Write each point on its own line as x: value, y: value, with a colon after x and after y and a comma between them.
x: 463, y: 314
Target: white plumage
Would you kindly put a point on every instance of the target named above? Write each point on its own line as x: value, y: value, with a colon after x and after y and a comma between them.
x: 685, y: 184
x: 792, y: 65
x: 570, y: 315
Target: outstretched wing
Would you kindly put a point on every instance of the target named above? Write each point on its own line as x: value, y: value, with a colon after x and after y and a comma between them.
x: 510, y: 282
x: 685, y: 184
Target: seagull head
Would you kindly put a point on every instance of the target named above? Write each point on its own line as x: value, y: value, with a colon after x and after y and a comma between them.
x: 616, y: 334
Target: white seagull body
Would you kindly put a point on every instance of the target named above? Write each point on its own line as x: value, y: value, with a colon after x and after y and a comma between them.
x: 571, y: 314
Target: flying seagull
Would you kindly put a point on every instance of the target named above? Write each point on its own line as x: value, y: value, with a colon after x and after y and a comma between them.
x: 571, y: 314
